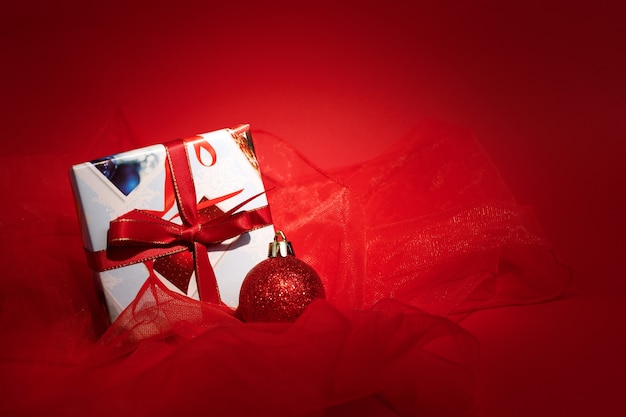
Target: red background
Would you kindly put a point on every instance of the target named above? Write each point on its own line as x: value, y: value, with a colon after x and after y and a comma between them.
x: 541, y: 85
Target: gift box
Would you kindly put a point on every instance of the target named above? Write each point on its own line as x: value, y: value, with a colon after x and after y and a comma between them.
x: 191, y: 213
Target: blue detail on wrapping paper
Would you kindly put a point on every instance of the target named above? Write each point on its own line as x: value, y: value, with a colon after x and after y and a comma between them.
x: 124, y: 173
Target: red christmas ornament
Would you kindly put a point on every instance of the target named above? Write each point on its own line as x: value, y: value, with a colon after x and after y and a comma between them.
x: 279, y: 288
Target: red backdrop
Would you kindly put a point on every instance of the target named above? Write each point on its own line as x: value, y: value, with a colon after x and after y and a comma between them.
x: 541, y: 85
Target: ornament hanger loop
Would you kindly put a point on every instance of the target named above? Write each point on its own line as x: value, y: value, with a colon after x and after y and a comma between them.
x: 280, y: 247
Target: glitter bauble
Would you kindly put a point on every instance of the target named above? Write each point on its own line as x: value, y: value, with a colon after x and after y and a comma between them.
x: 278, y: 289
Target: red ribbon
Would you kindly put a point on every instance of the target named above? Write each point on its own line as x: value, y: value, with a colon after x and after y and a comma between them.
x: 140, y: 236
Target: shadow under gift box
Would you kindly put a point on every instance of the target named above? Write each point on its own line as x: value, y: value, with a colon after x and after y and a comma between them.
x: 225, y: 175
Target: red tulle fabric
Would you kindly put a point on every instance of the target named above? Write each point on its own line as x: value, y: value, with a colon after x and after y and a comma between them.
x: 405, y: 244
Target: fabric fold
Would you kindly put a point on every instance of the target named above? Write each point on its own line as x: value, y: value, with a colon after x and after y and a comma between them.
x: 403, y: 243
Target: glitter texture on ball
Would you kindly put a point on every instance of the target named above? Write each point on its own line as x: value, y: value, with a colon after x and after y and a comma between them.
x: 278, y: 289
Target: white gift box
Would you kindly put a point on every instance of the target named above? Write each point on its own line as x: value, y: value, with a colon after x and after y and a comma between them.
x: 223, y: 167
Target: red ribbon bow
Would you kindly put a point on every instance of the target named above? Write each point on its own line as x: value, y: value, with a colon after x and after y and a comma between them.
x: 139, y: 236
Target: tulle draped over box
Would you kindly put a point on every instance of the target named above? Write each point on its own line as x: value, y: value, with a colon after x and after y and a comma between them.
x: 404, y: 243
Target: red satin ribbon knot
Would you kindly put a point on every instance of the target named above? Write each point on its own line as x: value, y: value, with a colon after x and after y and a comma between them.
x: 191, y: 233
x: 139, y: 236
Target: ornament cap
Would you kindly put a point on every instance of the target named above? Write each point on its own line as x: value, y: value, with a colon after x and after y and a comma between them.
x: 280, y: 246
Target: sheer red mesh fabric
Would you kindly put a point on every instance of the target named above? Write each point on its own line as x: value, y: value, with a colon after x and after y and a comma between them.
x: 430, y: 222
x: 425, y: 231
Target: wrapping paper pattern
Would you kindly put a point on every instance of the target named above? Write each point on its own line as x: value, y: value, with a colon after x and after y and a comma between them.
x: 224, y: 168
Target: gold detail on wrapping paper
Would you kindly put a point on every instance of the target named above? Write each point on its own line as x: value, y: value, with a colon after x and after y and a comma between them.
x: 241, y: 135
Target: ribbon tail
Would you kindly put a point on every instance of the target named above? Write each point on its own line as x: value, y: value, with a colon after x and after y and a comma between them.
x: 205, y: 276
